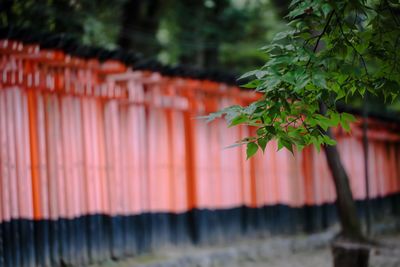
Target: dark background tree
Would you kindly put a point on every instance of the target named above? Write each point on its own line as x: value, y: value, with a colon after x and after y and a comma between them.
x: 139, y: 25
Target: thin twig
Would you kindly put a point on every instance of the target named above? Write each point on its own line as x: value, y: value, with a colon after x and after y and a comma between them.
x: 305, y: 125
x: 322, y: 34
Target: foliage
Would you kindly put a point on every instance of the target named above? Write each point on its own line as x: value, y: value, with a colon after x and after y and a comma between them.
x: 92, y: 22
x: 223, y: 33
x: 332, y: 51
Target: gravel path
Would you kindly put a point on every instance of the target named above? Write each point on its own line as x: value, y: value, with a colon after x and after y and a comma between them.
x: 298, y: 251
x: 319, y: 257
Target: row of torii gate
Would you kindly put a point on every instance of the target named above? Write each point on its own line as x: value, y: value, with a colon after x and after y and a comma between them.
x: 99, y: 161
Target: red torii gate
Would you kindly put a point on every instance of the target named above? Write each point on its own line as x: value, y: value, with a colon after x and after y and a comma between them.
x: 98, y: 160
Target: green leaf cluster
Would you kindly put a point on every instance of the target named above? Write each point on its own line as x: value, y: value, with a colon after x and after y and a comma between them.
x: 331, y: 51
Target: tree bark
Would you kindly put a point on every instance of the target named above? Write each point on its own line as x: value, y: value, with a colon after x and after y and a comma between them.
x: 350, y: 223
x: 346, y: 208
x: 345, y: 255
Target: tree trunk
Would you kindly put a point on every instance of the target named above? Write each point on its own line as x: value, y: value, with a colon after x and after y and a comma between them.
x: 345, y: 255
x: 139, y: 25
x: 351, y: 226
x: 346, y: 248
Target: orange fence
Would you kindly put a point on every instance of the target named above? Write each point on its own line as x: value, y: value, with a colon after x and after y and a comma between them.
x: 100, y: 161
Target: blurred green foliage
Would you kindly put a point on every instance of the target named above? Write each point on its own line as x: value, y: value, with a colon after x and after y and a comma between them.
x: 91, y: 22
x: 222, y: 34
x: 226, y: 33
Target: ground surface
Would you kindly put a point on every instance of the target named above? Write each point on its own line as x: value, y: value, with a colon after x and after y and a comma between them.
x: 299, y: 251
